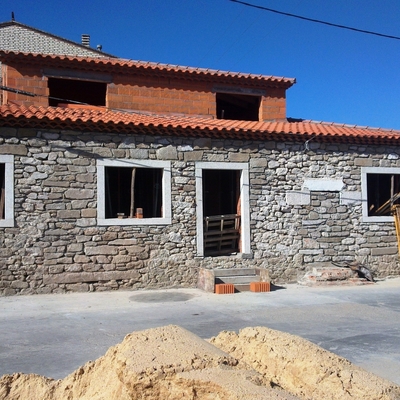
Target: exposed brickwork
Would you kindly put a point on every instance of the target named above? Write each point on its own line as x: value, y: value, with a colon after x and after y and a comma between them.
x: 141, y: 92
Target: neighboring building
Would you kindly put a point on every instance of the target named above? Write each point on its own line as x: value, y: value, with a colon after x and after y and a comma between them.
x: 123, y: 174
x: 18, y: 37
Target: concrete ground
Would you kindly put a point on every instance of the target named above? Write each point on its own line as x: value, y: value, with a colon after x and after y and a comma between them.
x: 52, y: 335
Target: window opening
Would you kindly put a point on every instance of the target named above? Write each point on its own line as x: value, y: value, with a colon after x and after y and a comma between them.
x: 221, y: 211
x: 133, y: 192
x: 383, y: 190
x: 88, y: 92
x: 238, y: 106
x: 2, y: 190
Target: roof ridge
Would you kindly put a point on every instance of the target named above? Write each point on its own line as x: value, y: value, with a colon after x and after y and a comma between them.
x: 111, y: 60
x: 344, y: 125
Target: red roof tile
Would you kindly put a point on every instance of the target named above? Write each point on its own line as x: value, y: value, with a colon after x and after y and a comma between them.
x: 105, y: 64
x: 104, y: 120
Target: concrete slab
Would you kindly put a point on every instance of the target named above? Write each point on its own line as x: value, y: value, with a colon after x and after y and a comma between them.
x: 52, y: 335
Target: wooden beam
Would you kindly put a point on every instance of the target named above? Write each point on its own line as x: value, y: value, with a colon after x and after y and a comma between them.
x: 132, y: 209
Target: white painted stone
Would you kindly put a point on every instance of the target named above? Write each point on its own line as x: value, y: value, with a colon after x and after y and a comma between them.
x: 298, y: 198
x: 350, y: 198
x: 323, y: 185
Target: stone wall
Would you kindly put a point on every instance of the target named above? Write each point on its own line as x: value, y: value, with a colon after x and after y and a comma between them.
x: 296, y: 222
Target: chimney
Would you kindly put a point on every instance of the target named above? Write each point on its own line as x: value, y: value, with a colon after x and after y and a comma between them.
x: 85, y: 40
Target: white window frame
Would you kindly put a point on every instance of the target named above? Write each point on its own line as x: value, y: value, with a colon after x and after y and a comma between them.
x: 129, y: 163
x: 244, y: 202
x: 364, y: 192
x: 8, y: 161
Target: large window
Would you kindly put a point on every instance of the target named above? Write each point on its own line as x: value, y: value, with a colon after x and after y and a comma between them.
x: 380, y: 190
x: 133, y: 192
x: 6, y: 190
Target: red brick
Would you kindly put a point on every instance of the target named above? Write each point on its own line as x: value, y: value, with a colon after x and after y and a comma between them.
x: 260, y: 287
x: 224, y: 288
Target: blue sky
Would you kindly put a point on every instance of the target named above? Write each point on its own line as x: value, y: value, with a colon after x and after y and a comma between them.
x: 342, y: 76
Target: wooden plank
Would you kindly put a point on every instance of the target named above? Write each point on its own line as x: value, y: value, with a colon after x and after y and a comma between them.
x: 219, y: 217
x: 221, y: 239
x: 384, y: 208
x: 225, y: 232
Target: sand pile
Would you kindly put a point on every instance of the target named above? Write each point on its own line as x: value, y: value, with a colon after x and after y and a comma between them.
x: 172, y: 363
x: 303, y: 368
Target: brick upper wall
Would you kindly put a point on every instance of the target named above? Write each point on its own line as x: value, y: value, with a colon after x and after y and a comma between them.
x: 146, y: 92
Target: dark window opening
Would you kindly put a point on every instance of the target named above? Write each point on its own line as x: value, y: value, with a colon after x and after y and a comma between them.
x: 383, y: 190
x: 221, y: 211
x: 133, y: 192
x: 69, y: 91
x: 2, y: 190
x: 238, y: 107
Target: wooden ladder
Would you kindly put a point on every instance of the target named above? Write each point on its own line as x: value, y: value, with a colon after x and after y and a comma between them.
x: 396, y: 214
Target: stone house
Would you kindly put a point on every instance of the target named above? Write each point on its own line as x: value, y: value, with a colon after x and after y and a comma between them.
x: 126, y: 174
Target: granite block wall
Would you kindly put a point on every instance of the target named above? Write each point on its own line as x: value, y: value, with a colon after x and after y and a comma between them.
x: 305, y: 210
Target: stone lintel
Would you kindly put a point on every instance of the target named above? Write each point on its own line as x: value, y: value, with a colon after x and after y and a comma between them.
x: 81, y: 277
x: 381, y: 251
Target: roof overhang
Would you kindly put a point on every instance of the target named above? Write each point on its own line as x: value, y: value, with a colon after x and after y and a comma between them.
x: 103, y: 120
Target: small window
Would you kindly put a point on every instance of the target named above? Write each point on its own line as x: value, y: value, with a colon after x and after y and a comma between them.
x: 134, y: 192
x: 381, y: 190
x: 238, y: 107
x: 73, y: 91
x: 6, y: 191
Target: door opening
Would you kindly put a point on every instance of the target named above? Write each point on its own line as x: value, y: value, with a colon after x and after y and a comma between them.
x: 221, y: 212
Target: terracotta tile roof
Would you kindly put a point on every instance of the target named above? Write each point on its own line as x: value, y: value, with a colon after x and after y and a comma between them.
x: 105, y: 64
x: 104, y: 120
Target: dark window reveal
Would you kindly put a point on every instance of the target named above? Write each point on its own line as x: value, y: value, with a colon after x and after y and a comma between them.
x: 383, y: 192
x: 238, y: 107
x: 133, y: 192
x: 69, y: 91
x: 2, y: 190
